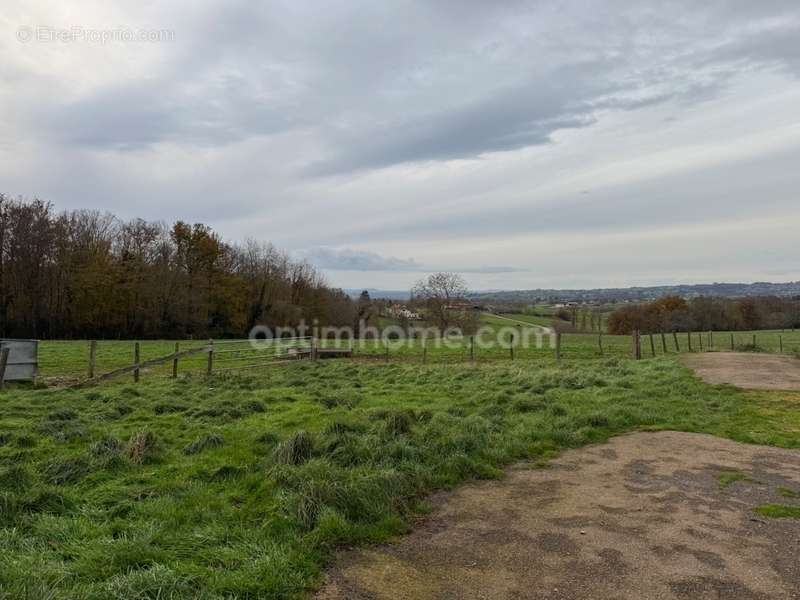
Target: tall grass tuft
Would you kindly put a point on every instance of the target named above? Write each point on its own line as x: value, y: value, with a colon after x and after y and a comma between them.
x: 204, y: 442
x: 296, y: 450
x: 142, y: 447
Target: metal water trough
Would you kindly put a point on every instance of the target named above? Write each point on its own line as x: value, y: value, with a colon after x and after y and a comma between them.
x: 23, y: 359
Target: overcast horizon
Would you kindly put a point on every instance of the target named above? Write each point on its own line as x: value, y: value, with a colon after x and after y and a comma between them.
x: 524, y: 145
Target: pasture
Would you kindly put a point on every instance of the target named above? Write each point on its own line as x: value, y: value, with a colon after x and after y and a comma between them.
x: 65, y: 361
x: 242, y: 485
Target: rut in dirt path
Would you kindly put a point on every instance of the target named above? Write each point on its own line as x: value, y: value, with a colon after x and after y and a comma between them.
x: 642, y: 516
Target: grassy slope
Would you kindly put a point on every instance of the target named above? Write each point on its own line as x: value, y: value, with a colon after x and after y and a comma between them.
x: 222, y: 505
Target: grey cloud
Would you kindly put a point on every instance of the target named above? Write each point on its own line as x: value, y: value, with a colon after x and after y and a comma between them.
x: 346, y: 259
x: 376, y: 94
x: 508, y: 119
x: 702, y: 196
x: 487, y: 270
x: 357, y: 260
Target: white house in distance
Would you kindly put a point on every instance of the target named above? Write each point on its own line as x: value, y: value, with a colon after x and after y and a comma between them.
x: 398, y: 310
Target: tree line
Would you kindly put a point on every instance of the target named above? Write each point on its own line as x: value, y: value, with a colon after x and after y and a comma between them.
x: 705, y: 313
x: 86, y: 274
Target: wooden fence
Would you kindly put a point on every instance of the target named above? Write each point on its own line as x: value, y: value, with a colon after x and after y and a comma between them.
x: 216, y: 356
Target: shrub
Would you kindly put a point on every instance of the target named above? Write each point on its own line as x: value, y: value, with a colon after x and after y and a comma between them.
x: 296, y: 450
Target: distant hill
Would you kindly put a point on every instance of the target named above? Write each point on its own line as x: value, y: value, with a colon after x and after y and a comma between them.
x: 727, y: 290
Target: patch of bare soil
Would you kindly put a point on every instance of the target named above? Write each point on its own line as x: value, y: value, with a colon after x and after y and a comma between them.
x: 747, y: 369
x: 643, y: 516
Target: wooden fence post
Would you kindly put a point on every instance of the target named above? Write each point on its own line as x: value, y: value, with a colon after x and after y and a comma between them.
x: 92, y: 358
x: 175, y: 361
x: 710, y: 340
x: 689, y: 338
x: 558, y: 346
x: 754, y: 340
x: 210, y: 365
x: 472, y: 347
x: 3, y: 362
x: 600, y: 343
x: 136, y: 360
x: 511, y: 347
x: 664, y: 342
x: 652, y: 345
x: 733, y: 347
x: 386, y: 343
x: 700, y: 339
x: 675, y: 339
x: 780, y: 342
x: 424, y: 350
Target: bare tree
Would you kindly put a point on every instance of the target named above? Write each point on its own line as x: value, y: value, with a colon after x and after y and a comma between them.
x: 443, y: 295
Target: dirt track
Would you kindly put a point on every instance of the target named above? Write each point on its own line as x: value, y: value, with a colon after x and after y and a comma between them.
x: 641, y: 517
x: 747, y: 369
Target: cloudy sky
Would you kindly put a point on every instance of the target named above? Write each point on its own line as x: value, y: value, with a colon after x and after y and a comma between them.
x: 524, y: 144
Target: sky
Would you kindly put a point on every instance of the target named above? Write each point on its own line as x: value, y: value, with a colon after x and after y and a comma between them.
x: 521, y: 144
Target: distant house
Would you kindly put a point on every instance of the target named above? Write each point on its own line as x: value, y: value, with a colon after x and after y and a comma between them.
x: 399, y: 311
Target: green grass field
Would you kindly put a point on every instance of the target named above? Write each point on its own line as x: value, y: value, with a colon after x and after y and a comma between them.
x: 240, y: 486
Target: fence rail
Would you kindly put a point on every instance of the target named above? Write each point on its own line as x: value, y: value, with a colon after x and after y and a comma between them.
x: 209, y: 357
